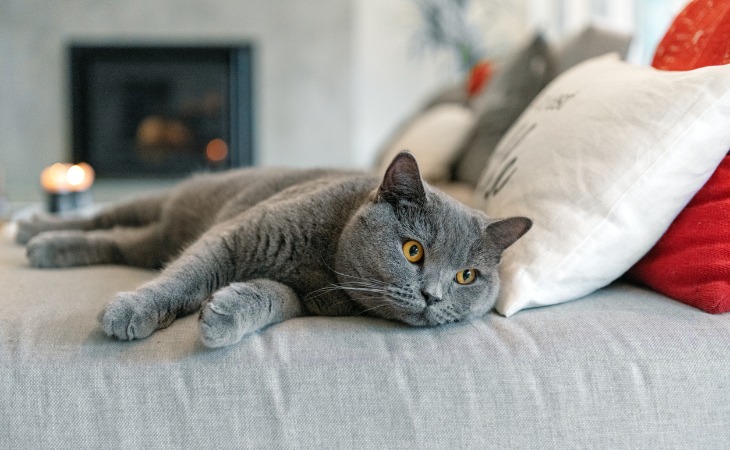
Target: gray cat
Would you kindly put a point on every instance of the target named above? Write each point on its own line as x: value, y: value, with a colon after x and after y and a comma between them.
x: 254, y: 247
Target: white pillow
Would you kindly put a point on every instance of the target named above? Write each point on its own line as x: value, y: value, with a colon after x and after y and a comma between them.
x: 434, y: 138
x: 602, y: 161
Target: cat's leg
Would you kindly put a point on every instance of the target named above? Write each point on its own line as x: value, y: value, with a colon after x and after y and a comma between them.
x: 42, y: 222
x: 134, y: 213
x: 242, y: 308
x: 138, y: 246
x: 246, y: 247
x: 203, y: 268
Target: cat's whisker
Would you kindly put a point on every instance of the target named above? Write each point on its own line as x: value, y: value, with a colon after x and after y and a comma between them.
x: 382, y: 305
x: 363, y: 287
x: 326, y: 289
x: 368, y: 280
x: 355, y: 284
x: 407, y: 302
x: 317, y: 294
x: 382, y: 302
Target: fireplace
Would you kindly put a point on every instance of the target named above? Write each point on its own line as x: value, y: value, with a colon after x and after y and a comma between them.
x: 160, y: 110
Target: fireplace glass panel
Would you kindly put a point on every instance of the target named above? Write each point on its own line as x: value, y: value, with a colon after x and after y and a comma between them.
x: 161, y: 111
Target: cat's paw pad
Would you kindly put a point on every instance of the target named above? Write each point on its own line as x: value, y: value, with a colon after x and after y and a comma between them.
x: 130, y: 315
x: 56, y: 249
x: 228, y: 316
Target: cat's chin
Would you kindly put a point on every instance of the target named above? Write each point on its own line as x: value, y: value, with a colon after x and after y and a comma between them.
x: 427, y: 318
x: 403, y: 306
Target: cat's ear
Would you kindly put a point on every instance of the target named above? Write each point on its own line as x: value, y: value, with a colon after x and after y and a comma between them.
x: 402, y: 181
x: 505, y: 232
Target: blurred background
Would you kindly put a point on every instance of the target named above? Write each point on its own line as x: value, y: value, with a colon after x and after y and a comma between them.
x: 329, y: 79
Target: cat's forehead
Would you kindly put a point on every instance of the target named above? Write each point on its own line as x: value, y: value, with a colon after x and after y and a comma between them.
x: 442, y: 221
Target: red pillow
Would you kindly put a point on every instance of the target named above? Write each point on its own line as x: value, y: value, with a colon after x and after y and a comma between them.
x: 698, y: 37
x: 691, y: 262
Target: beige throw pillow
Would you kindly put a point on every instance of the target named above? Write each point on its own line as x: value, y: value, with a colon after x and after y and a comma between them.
x: 434, y: 138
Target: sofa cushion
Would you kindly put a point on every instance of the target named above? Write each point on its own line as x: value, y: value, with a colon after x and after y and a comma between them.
x: 453, y: 94
x: 609, y: 371
x: 508, y: 93
x: 590, y: 42
x: 691, y: 262
x: 601, y: 162
x: 434, y: 137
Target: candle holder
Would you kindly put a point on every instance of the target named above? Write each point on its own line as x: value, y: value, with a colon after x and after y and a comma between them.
x: 60, y: 202
x: 67, y: 186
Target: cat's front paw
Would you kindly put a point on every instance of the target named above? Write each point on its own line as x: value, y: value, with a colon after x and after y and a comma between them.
x: 130, y: 315
x: 227, y: 317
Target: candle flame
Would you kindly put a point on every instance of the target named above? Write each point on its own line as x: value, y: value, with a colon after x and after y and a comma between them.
x: 62, y: 177
x: 75, y: 175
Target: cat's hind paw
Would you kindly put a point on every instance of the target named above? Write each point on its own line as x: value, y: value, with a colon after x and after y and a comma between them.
x: 30, y: 228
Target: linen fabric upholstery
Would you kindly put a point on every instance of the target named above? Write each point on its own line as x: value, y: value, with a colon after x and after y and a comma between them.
x: 617, y: 368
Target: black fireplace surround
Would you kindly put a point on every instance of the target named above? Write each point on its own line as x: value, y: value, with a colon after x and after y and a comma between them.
x: 155, y: 111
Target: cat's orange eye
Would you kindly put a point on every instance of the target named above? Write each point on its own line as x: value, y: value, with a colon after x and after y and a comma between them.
x: 413, y: 251
x: 466, y: 276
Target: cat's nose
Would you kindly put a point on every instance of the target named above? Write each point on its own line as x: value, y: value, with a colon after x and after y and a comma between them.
x: 430, y: 298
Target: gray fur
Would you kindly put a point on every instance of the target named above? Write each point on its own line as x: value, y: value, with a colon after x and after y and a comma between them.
x: 254, y: 247
x: 244, y: 307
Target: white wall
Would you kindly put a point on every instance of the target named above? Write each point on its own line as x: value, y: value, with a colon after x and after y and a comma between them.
x: 333, y: 77
x: 303, y: 96
x: 393, y: 76
x: 648, y: 20
x: 384, y: 55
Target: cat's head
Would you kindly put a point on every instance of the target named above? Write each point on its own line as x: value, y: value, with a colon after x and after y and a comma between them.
x: 413, y: 254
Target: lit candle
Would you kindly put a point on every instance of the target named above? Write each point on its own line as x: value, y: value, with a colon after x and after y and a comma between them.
x: 53, y: 178
x: 80, y: 177
x: 66, y: 185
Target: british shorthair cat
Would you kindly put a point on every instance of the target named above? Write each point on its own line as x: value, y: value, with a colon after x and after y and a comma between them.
x: 253, y: 247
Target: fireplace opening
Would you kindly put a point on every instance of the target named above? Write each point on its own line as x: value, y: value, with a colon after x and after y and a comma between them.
x: 161, y: 111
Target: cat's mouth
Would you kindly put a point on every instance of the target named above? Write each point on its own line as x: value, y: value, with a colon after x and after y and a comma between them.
x: 407, y: 307
x: 435, y: 316
x: 441, y: 316
x: 401, y: 304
